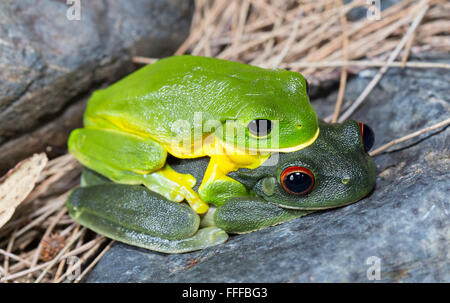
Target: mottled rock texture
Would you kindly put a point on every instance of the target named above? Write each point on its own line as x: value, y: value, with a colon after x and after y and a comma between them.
x: 49, y: 63
x: 405, y: 222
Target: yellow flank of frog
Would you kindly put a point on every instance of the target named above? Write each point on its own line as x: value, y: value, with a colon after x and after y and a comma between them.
x: 225, y: 159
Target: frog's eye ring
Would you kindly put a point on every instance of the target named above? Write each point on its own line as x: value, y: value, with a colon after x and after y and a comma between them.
x: 297, y: 180
x: 260, y: 127
x: 367, y: 135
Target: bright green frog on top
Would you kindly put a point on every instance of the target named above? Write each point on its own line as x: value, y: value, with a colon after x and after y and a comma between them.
x: 131, y: 126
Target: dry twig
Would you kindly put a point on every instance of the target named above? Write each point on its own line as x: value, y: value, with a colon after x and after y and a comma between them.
x: 343, y: 82
x: 410, y: 136
x: 422, y: 7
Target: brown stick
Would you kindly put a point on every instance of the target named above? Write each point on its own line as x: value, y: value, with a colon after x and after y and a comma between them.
x: 46, y: 234
x: 8, y: 251
x: 410, y: 136
x: 96, y: 244
x: 94, y: 262
x: 408, y: 46
x: 60, y: 254
x: 289, y: 42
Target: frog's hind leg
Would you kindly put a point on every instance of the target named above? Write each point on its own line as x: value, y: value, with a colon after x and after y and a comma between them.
x: 137, y: 216
x: 247, y: 214
x: 117, y: 155
x: 131, y: 159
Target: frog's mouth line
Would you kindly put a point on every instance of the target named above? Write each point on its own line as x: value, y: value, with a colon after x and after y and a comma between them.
x: 293, y: 148
x: 321, y: 208
x: 313, y: 208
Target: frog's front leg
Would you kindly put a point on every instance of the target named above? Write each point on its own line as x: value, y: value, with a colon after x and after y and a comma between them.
x: 217, y: 187
x: 131, y: 159
x: 247, y: 214
x: 137, y: 216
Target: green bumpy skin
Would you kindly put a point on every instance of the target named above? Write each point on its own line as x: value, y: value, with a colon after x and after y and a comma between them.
x: 343, y: 173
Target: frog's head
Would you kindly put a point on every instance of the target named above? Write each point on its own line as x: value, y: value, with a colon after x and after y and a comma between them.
x: 334, y: 171
x: 271, y: 112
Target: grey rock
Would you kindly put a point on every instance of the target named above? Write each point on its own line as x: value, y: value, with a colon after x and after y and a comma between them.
x: 405, y: 222
x: 49, y: 62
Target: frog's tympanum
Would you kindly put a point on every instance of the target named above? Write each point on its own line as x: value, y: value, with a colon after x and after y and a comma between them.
x: 192, y: 107
x: 334, y: 171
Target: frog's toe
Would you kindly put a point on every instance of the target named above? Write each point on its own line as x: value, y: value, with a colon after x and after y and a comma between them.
x: 176, y: 187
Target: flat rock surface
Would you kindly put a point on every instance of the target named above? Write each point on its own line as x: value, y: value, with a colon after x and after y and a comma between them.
x: 49, y: 63
x: 404, y: 225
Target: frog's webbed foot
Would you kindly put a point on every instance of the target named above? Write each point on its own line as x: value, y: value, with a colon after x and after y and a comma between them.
x: 137, y: 216
x: 247, y: 214
x: 175, y: 187
x: 219, y: 190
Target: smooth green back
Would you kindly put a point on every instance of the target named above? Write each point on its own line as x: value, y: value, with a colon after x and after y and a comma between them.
x: 174, y: 88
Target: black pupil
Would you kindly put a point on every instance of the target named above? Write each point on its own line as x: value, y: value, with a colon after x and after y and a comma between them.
x: 298, y: 182
x: 368, y: 137
x: 260, y: 127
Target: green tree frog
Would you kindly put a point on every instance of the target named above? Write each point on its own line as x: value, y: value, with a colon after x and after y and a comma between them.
x: 190, y: 107
x: 334, y: 171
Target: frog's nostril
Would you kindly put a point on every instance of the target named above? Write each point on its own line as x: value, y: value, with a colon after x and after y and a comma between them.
x: 345, y: 181
x: 299, y: 125
x: 268, y: 186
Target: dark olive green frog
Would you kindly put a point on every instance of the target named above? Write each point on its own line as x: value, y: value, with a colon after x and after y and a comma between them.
x: 334, y: 171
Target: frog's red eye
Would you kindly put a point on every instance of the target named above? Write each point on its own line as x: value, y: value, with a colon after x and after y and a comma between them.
x: 297, y: 180
x: 367, y: 135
